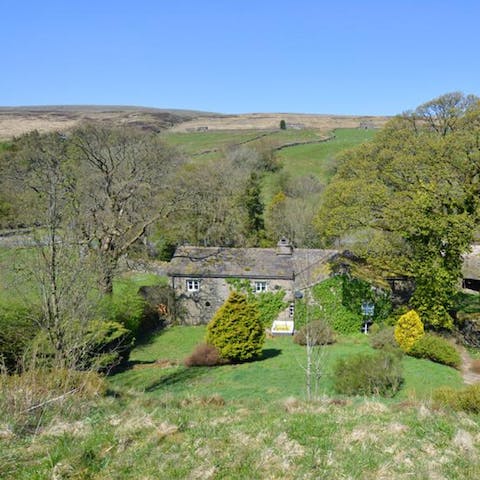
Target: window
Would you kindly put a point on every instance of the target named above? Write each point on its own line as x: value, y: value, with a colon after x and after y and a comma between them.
x: 260, y: 287
x: 193, y: 285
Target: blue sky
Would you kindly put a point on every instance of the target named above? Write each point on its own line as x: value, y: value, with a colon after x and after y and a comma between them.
x: 306, y: 56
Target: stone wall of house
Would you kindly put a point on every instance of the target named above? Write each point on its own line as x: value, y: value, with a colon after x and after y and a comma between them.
x: 197, y: 308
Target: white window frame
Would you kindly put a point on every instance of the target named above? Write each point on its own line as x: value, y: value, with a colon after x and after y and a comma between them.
x: 260, y: 287
x: 193, y: 285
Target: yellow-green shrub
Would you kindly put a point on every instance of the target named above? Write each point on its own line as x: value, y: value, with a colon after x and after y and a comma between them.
x: 408, y: 330
x: 467, y: 399
x: 236, y: 329
x: 437, y: 349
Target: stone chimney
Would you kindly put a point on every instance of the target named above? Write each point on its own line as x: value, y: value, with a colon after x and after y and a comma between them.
x: 284, y: 247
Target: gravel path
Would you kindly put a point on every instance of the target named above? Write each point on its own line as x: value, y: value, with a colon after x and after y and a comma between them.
x: 469, y: 377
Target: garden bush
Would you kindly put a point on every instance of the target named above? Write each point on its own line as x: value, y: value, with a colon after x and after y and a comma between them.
x: 384, y: 338
x: 436, y: 349
x: 236, y: 330
x: 204, y: 355
x: 408, y: 330
x: 369, y: 374
x: 318, y: 332
x: 466, y: 399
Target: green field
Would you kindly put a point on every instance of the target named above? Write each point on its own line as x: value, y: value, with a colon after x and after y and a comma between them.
x: 277, y: 375
x: 318, y: 158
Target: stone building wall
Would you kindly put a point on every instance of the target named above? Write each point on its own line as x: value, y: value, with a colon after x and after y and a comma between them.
x: 198, y: 307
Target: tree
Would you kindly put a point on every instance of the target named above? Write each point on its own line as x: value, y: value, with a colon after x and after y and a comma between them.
x: 123, y: 188
x: 408, y: 200
x: 283, y: 125
x: 56, y: 268
x: 236, y: 329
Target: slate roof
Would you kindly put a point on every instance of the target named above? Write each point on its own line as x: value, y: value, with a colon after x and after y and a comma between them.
x: 267, y: 263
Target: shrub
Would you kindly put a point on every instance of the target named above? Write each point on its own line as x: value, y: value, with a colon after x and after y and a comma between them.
x: 383, y: 338
x: 17, y: 328
x: 369, y: 374
x: 204, y: 355
x: 283, y: 125
x: 436, y: 349
x: 318, y: 333
x: 236, y: 329
x: 408, y: 330
x: 30, y: 399
x: 467, y: 399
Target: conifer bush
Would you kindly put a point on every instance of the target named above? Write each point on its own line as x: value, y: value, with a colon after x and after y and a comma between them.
x: 408, y: 330
x: 236, y: 329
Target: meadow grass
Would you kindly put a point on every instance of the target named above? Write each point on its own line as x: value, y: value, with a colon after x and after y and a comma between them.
x: 197, y: 142
x: 245, y: 421
x: 315, y: 159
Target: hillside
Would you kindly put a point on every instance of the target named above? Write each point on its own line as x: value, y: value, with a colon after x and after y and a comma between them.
x: 17, y: 120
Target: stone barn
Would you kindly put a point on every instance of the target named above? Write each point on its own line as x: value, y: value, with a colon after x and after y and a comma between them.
x: 200, y: 275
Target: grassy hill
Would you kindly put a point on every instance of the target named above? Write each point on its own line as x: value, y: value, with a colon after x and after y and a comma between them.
x: 245, y: 421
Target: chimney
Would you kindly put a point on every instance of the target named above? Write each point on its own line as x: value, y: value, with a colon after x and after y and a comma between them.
x: 284, y: 247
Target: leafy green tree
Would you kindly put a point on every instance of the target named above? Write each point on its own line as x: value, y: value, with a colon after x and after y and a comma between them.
x: 254, y: 206
x: 283, y: 125
x: 236, y: 329
x: 408, y: 200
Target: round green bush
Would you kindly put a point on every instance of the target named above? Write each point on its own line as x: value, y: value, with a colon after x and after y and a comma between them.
x: 317, y: 332
x: 369, y: 374
x: 236, y: 329
x: 436, y: 349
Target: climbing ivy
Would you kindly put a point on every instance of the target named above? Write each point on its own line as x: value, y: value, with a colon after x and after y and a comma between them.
x: 269, y: 304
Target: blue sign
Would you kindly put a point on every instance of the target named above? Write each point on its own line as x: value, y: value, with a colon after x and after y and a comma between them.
x: 368, y: 308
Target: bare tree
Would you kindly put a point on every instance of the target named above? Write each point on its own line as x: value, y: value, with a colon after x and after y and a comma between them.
x: 54, y: 267
x: 123, y: 188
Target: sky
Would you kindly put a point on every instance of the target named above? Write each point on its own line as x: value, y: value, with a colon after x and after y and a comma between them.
x: 362, y: 57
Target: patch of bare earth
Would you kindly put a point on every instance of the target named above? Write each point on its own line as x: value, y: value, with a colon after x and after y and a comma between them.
x: 469, y: 373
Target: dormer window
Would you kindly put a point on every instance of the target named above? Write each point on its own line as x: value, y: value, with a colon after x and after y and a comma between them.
x: 193, y: 285
x: 260, y: 287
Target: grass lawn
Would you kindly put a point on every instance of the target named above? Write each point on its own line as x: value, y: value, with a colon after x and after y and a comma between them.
x: 277, y: 375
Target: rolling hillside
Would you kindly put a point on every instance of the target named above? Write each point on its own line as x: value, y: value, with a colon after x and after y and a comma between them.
x: 17, y: 120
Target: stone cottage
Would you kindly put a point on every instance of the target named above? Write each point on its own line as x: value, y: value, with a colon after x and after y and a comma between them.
x: 200, y: 275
